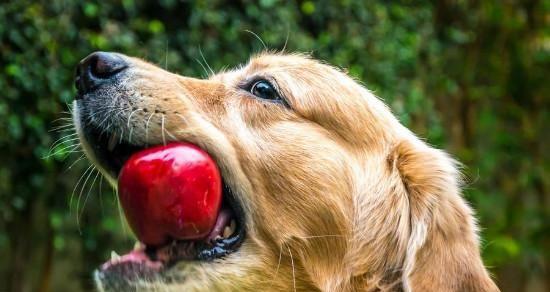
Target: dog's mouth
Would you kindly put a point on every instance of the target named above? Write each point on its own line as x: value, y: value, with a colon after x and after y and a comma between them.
x: 111, y: 152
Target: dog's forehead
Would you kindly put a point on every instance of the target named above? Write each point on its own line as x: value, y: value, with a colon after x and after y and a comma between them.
x: 270, y: 64
x: 275, y: 61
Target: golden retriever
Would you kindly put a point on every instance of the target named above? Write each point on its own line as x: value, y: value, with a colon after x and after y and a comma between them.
x: 329, y: 191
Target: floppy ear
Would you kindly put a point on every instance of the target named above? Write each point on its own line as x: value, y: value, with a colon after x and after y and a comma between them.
x: 443, y: 248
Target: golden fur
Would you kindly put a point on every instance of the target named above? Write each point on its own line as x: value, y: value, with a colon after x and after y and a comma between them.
x: 338, y: 195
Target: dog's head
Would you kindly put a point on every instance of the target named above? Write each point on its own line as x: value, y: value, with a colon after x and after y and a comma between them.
x: 328, y: 190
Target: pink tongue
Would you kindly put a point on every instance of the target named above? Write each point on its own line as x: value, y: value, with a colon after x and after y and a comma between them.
x: 137, y: 256
x: 170, y: 192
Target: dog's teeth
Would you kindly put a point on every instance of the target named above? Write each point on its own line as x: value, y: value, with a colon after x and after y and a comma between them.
x: 138, y: 245
x: 230, y: 229
x: 226, y: 232
x: 114, y: 256
x: 112, y: 142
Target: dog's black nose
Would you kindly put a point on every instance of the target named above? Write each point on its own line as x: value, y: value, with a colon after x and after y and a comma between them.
x: 97, y: 68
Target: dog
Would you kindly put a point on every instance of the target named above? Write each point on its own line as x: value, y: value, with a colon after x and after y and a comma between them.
x: 328, y: 190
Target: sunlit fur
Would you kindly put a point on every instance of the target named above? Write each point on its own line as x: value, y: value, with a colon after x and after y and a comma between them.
x: 338, y: 195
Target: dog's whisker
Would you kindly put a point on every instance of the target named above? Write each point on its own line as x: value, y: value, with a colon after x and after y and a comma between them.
x: 121, y: 136
x: 64, y: 139
x: 65, y: 119
x: 75, y: 150
x: 207, y: 65
x: 186, y: 131
x: 63, y: 125
x: 203, y: 68
x: 162, y: 131
x: 147, y: 130
x: 66, y: 150
x: 120, y: 212
x: 185, y: 121
x: 278, y: 263
x: 80, y: 197
x: 101, y: 194
x: 106, y: 118
x: 84, y: 175
x: 258, y: 37
x: 110, y: 111
x: 287, y: 36
x: 75, y: 162
x: 62, y: 128
x: 130, y: 135
x: 77, y: 184
x: 166, y: 55
x: 171, y: 135
x: 68, y: 135
x: 130, y: 117
x: 88, y: 193
x: 293, y: 271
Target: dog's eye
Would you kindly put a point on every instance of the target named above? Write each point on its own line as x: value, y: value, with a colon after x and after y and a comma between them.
x: 264, y: 90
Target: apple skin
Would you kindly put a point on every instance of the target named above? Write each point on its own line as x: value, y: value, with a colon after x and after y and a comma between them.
x: 170, y: 192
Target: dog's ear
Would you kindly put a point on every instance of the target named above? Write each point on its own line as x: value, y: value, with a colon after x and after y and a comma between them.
x: 443, y: 248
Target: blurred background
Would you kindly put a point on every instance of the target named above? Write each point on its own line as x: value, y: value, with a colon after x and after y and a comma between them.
x: 472, y: 77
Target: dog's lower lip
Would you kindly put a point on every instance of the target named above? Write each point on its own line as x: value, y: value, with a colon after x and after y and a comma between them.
x: 154, y: 260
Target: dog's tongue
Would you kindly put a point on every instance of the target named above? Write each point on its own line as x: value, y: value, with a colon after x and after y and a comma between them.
x: 170, y: 192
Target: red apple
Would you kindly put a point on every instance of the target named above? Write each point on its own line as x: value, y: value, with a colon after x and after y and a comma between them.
x: 170, y: 192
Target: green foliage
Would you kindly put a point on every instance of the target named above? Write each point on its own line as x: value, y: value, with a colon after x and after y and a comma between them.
x: 470, y: 76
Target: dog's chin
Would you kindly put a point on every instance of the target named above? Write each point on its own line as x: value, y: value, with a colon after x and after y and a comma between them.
x: 144, y: 263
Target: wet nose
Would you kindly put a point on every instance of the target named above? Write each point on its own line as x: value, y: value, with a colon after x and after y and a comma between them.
x: 96, y: 69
